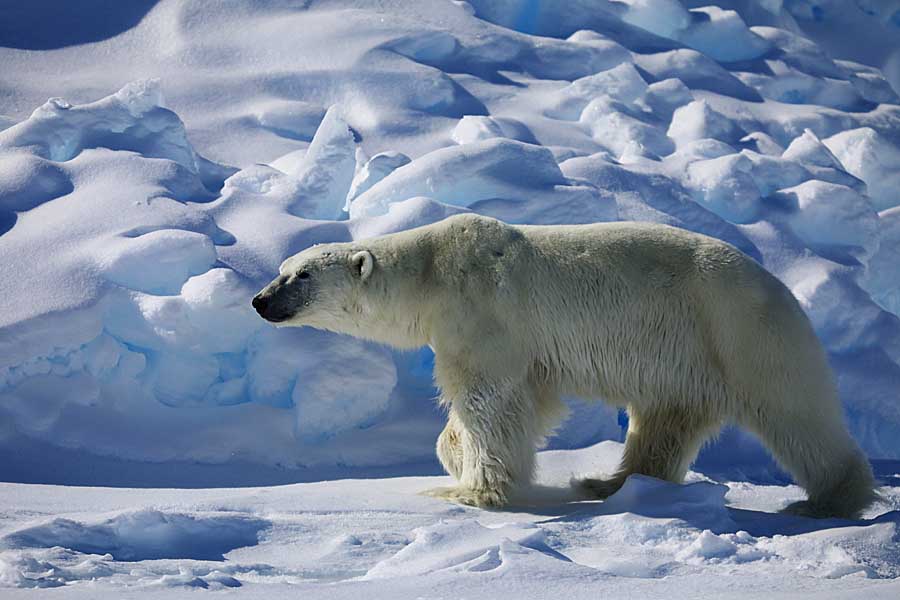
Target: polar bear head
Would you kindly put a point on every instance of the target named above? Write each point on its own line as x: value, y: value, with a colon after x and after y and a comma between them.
x: 320, y: 287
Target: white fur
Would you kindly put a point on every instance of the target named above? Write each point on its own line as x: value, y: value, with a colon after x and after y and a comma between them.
x: 682, y: 329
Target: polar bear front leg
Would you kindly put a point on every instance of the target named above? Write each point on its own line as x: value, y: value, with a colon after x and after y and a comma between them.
x: 495, y: 427
x: 449, y: 447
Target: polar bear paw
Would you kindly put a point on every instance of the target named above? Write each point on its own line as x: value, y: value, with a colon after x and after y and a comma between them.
x: 598, y: 488
x: 482, y: 498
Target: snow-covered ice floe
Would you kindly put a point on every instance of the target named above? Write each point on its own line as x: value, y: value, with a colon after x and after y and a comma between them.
x: 380, y: 537
x: 185, y: 151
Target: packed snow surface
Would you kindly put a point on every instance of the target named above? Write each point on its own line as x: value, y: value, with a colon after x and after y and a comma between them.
x: 382, y: 538
x: 159, y: 159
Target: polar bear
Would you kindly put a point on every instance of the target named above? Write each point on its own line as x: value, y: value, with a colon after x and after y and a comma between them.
x: 683, y: 330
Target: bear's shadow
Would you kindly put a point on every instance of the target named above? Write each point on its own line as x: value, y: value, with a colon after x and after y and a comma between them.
x: 701, y: 505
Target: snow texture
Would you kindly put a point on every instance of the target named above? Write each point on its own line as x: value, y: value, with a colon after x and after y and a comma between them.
x: 186, y: 150
x: 652, y: 538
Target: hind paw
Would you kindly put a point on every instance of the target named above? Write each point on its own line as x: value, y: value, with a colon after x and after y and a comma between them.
x: 598, y: 488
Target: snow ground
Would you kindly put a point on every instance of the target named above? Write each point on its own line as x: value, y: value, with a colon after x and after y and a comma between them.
x: 382, y: 538
x: 159, y: 159
x: 196, y: 148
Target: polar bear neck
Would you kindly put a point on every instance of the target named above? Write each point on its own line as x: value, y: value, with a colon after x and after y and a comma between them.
x: 397, y: 304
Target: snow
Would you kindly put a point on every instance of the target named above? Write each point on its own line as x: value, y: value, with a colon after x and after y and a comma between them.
x: 159, y: 160
x: 382, y: 537
x: 866, y: 154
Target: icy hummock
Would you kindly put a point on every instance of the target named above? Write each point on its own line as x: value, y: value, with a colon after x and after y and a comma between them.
x: 141, y: 208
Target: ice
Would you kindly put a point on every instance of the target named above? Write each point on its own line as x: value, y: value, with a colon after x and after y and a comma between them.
x: 787, y: 84
x: 490, y: 170
x: 726, y: 186
x: 832, y: 215
x: 145, y: 535
x: 865, y: 153
x: 881, y: 276
x: 463, y: 546
x: 623, y: 131
x: 294, y: 119
x: 326, y: 172
x: 722, y: 35
x: 762, y: 143
x: 157, y: 262
x: 622, y: 83
x: 131, y: 119
x: 698, y: 120
x: 771, y: 174
x: 808, y: 148
x: 334, y: 404
x: 374, y: 170
x: 663, y: 97
x: 662, y: 17
x: 870, y: 83
x: 695, y: 70
x: 475, y: 128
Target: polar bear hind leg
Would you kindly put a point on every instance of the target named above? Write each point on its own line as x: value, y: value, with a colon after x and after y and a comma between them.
x: 822, y: 458
x: 661, y: 442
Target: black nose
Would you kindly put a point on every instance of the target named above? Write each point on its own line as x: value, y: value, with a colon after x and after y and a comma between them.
x: 260, y: 304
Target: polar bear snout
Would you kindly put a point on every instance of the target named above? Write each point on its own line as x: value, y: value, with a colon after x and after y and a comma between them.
x: 278, y: 301
x: 261, y: 304
x: 264, y: 306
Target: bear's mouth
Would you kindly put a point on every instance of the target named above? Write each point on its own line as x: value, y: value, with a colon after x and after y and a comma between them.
x: 279, y: 318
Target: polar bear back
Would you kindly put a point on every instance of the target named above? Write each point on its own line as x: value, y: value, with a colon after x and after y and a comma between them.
x: 622, y: 310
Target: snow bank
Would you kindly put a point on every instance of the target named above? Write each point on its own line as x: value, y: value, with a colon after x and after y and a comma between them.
x: 495, y: 176
x: 146, y: 305
x: 145, y: 535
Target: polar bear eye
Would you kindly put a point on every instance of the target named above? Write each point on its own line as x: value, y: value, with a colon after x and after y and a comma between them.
x: 302, y: 275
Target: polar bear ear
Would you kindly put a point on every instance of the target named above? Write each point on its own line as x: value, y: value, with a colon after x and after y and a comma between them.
x: 362, y: 263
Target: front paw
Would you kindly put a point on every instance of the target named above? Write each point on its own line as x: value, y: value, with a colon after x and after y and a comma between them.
x: 482, y: 498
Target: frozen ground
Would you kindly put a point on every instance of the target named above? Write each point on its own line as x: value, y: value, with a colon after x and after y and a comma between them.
x: 380, y: 538
x: 159, y: 159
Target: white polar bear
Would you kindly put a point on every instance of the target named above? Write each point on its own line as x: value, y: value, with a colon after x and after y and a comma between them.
x: 684, y: 330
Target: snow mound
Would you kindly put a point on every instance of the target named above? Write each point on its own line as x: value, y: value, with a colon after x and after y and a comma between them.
x: 701, y: 503
x: 131, y: 119
x: 145, y: 535
x: 144, y: 316
x: 880, y: 279
x: 832, y: 215
x: 474, y: 128
x: 492, y: 174
x: 726, y: 186
x: 698, y: 120
x: 623, y: 131
x: 462, y: 546
x: 865, y: 153
x: 622, y: 83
